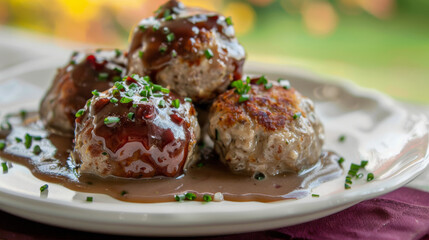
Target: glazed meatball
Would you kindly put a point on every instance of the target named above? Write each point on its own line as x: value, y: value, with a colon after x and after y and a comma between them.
x: 265, y: 127
x: 73, y: 84
x: 136, y: 129
x: 191, y: 51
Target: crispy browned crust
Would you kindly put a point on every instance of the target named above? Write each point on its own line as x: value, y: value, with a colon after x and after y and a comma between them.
x: 271, y: 108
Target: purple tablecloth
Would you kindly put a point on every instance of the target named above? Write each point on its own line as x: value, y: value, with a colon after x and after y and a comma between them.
x: 402, y: 214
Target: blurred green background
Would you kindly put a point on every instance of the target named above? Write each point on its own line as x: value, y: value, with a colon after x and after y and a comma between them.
x: 380, y: 44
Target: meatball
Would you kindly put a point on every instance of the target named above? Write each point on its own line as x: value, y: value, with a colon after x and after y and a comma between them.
x: 265, y: 127
x: 73, y: 84
x: 136, y: 129
x: 191, y: 51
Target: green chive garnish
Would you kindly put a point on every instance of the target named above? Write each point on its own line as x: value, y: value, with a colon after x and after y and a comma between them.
x: 95, y: 93
x: 174, y: 53
x: 143, y: 99
x: 341, y: 160
x: 161, y: 103
x: 315, y: 195
x: 176, y: 103
x: 80, y: 112
x: 89, y: 199
x: 243, y: 98
x: 23, y: 114
x: 190, y: 196
x: 179, y: 198
x: 342, y: 138
x: 118, y: 52
x: 262, y: 80
x: 170, y: 37
x: 284, y: 83
x: 124, y: 193
x: 363, y: 163
x: 268, y: 85
x: 126, y: 100
x: 168, y: 18
x: 155, y: 27
x: 118, y: 70
x: 132, y: 86
x: 259, y: 176
x: 156, y: 87
x: 130, y: 115
x: 142, y: 27
x: 359, y: 176
x: 28, y: 140
x: 44, y: 187
x: 297, y: 115
x: 2, y: 145
x: 5, y: 167
x: 88, y: 103
x: 110, y: 120
x: 228, y: 21
x: 188, y: 99
x: 104, y: 153
x: 370, y: 177
x: 37, y: 150
x: 207, y: 198
x: 140, y: 54
x: 162, y: 48
x: 165, y: 90
x: 103, y: 76
x: 208, y: 53
x: 18, y: 140
x: 119, y: 86
x: 114, y: 100
x: 346, y: 186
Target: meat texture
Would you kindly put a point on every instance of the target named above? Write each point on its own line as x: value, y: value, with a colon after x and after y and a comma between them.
x: 136, y: 129
x: 192, y: 51
x: 73, y: 84
x: 275, y: 131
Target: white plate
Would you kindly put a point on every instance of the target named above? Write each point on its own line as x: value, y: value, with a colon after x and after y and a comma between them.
x: 395, y: 144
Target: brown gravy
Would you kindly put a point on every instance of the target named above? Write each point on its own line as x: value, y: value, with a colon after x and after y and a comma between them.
x: 53, y: 164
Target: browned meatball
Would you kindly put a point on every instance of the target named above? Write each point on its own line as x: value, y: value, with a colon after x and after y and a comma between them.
x: 73, y: 84
x: 269, y: 129
x: 136, y: 130
x: 189, y: 50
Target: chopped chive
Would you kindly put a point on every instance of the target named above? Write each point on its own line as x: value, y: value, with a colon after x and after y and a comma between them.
x: 118, y: 70
x: 110, y: 120
x: 179, y: 198
x: 44, y: 187
x: 168, y: 18
x: 80, y: 112
x: 88, y: 103
x: 37, y: 150
x: 243, y: 98
x: 133, y: 86
x: 124, y: 193
x: 155, y: 27
x: 5, y: 167
x: 130, y: 115
x: 170, y: 37
x: 143, y: 93
x: 37, y: 138
x: 262, y: 80
x: 354, y: 167
x: 341, y: 160
x: 143, y: 99
x: 103, y: 76
x: 72, y: 62
x: 370, y: 177
x: 342, y: 138
x: 348, y: 181
x: 156, y: 87
x: 284, y: 83
x: 146, y: 78
x: 118, y: 52
x: 6, y: 125
x: 346, y: 186
x: 18, y: 140
x: 174, y: 53
x: 176, y: 103
x: 119, y: 86
x: 140, y: 54
x: 363, y: 163
x: 359, y: 176
x: 228, y: 21
x: 95, y: 93
x: 188, y: 99
x: 129, y: 93
x: 134, y: 105
x: 114, y: 100
x: 268, y: 85
x: 259, y: 176
x: 207, y: 198
x: 297, y: 115
x: 142, y: 27
x: 200, y: 164
x: 23, y: 114
x: 208, y: 53
x: 352, y: 173
x: 126, y: 100
x: 89, y: 199
x: 2, y: 145
x: 162, y: 49
x: 315, y: 195
x: 165, y: 90
x: 157, y: 95
x: 190, y: 196
x: 27, y: 140
x: 104, y: 153
x: 161, y: 103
